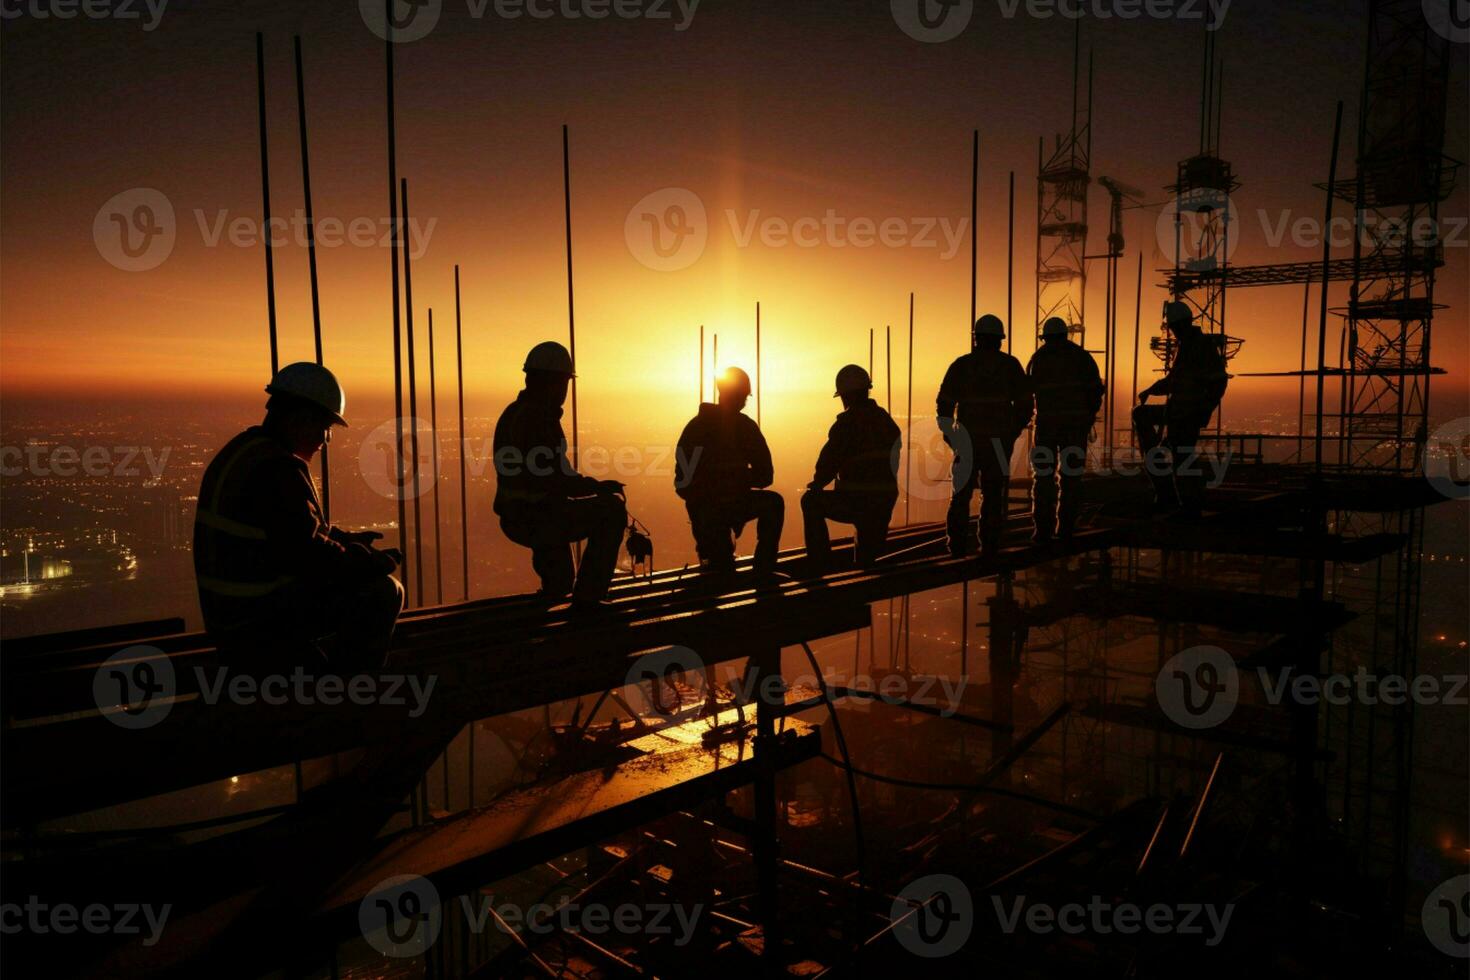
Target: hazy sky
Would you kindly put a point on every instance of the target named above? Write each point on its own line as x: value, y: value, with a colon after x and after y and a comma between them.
x: 827, y: 150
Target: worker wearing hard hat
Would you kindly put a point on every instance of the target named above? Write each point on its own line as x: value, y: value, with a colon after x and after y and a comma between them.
x: 984, y: 405
x: 722, y: 471
x: 278, y: 585
x: 543, y: 502
x: 1168, y: 434
x: 861, y: 455
x: 1069, y: 392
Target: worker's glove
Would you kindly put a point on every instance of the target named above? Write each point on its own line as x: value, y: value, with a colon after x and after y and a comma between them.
x: 364, y: 538
x: 394, y: 554
x: 611, y: 486
x: 946, y: 429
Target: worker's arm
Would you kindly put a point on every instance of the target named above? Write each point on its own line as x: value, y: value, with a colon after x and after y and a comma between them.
x: 300, y: 542
x: 686, y: 460
x: 1023, y: 396
x: 1096, y: 389
x: 762, y: 470
x: 830, y: 459
x: 947, y: 400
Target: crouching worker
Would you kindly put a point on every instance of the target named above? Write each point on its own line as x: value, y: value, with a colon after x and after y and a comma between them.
x: 861, y: 454
x: 279, y: 587
x: 543, y: 503
x: 722, y: 469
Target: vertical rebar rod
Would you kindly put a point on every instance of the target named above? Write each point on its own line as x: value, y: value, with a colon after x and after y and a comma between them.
x: 701, y: 365
x: 316, y: 299
x: 974, y: 231
x: 1011, y: 267
x: 566, y: 183
x: 434, y: 475
x: 265, y: 195
x: 1137, y: 337
x: 908, y: 439
x: 757, y: 363
x: 1301, y: 394
x: 1326, y: 279
x: 393, y: 259
x: 464, y: 486
x: 413, y: 409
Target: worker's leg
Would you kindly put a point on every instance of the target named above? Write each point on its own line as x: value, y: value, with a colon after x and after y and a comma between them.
x: 871, y: 528
x: 713, y: 540
x: 601, y: 520
x: 769, y: 512
x: 964, y: 473
x: 995, y: 480
x: 1072, y: 463
x: 1149, y: 423
x: 1189, y: 478
x: 1044, y: 466
x: 816, y: 507
x: 366, y: 617
x: 538, y: 528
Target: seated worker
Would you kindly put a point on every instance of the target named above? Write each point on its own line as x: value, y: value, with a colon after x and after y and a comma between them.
x: 1194, y: 385
x: 722, y: 469
x: 543, y: 503
x: 279, y: 587
x: 861, y: 454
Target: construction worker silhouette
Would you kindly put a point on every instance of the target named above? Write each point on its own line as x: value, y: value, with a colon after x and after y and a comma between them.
x: 722, y: 469
x: 984, y: 405
x: 543, y: 503
x: 1168, y: 434
x: 861, y: 455
x: 1069, y: 392
x: 279, y: 587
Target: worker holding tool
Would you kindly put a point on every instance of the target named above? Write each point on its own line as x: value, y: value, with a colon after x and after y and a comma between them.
x: 279, y: 587
x: 1069, y: 392
x: 543, y: 503
x: 722, y: 471
x: 861, y: 454
x: 984, y: 405
x: 1168, y: 434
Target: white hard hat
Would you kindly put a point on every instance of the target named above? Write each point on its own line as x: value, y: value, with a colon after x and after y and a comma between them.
x: 551, y: 357
x: 1055, y: 327
x: 852, y: 378
x: 313, y: 383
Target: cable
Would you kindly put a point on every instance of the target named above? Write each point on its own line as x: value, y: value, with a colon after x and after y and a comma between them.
x: 963, y: 788
x: 857, y: 820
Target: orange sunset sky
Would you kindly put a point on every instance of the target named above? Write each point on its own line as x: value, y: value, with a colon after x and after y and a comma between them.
x: 760, y: 110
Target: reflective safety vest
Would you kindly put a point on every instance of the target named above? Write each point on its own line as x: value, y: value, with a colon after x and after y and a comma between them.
x: 233, y: 564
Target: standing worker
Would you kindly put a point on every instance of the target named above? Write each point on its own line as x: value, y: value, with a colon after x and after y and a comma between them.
x: 542, y: 501
x: 1069, y: 392
x: 861, y: 454
x: 279, y: 587
x: 984, y: 405
x: 1194, y: 385
x: 722, y: 472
